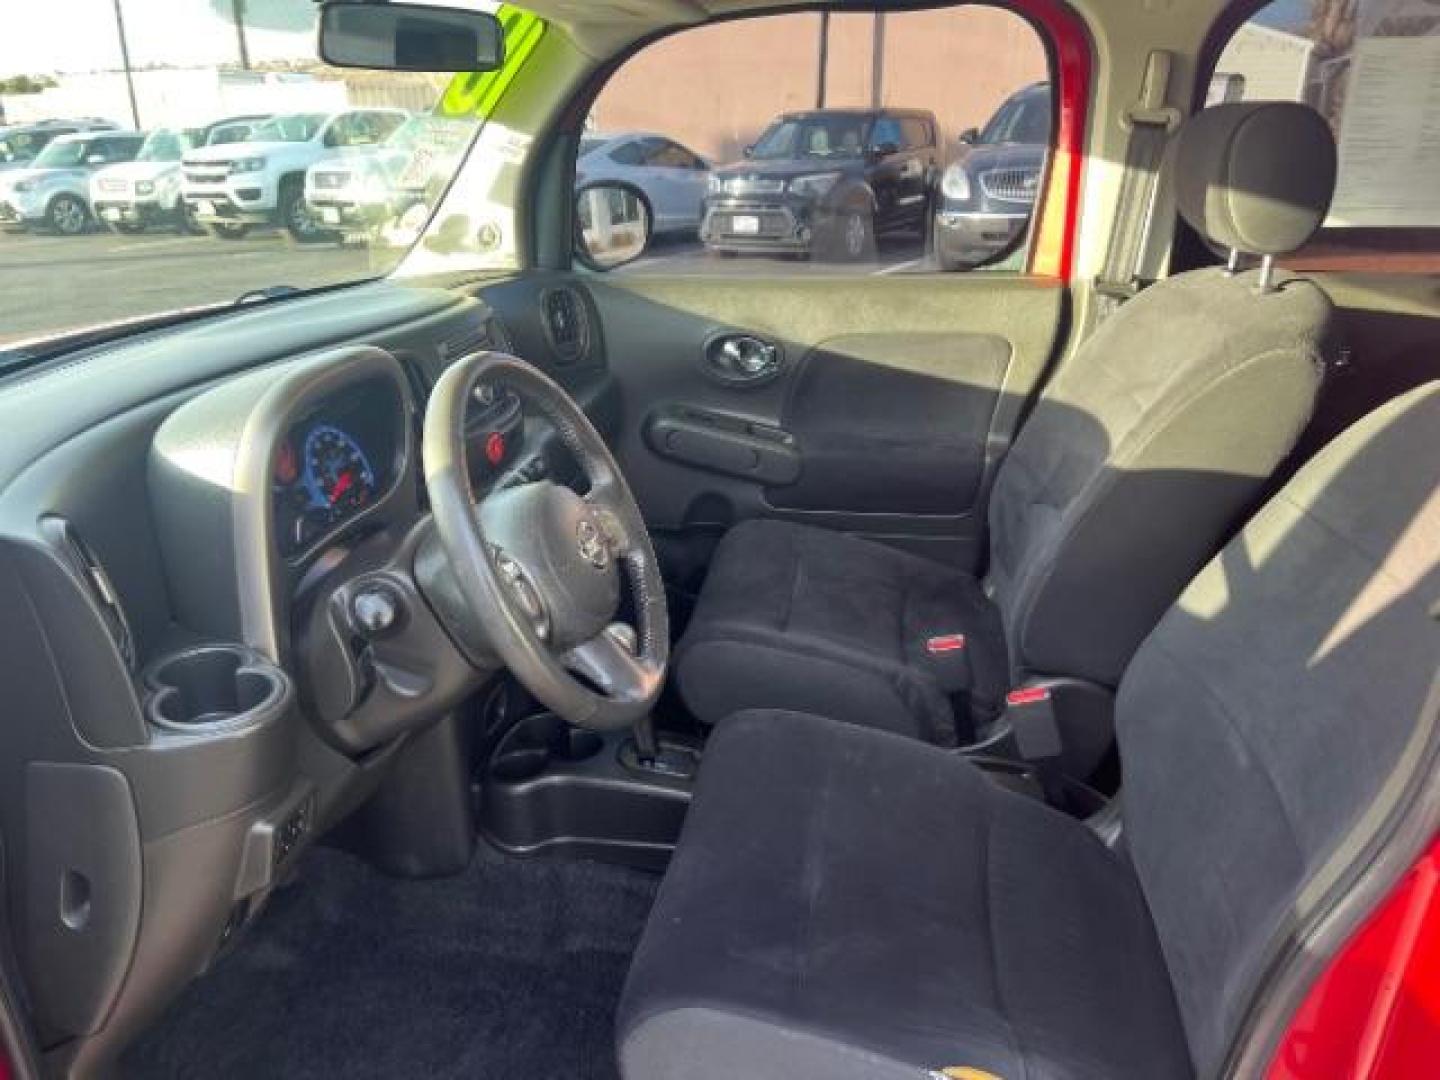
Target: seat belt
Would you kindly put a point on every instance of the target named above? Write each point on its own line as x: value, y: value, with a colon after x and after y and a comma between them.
x: 1130, y: 264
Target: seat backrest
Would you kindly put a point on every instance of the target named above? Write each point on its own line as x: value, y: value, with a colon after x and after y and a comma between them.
x: 1156, y: 436
x: 1263, y: 718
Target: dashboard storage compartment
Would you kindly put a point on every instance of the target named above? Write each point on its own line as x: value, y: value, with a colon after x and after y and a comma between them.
x: 529, y: 748
x: 215, y: 686
x: 549, y: 788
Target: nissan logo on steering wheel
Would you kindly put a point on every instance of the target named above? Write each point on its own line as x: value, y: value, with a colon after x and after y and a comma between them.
x: 592, y: 545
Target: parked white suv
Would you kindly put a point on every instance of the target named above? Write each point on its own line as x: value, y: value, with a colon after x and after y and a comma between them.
x: 261, y: 181
x: 135, y: 195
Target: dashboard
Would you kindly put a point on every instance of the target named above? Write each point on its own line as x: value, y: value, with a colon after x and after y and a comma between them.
x: 189, y: 512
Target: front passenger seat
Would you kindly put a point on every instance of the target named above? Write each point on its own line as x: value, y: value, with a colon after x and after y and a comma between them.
x: 1150, y: 442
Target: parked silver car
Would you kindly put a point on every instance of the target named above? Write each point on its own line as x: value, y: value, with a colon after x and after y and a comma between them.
x: 20, y: 143
x: 671, y: 179
x: 54, y: 189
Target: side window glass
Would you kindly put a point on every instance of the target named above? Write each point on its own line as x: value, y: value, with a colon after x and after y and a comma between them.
x: 916, y: 134
x: 885, y: 135
x: 339, y: 132
x: 784, y: 174
x: 1371, y: 68
x: 628, y: 153
x: 385, y: 125
x: 668, y: 155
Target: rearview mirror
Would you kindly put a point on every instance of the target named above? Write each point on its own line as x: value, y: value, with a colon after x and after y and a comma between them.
x: 409, y: 37
x: 612, y: 224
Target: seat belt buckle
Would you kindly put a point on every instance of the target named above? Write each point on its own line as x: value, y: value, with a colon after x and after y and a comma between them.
x: 1030, y: 712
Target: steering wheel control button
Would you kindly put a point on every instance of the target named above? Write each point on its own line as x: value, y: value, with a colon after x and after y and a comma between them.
x: 525, y: 594
x: 495, y: 448
x: 376, y: 610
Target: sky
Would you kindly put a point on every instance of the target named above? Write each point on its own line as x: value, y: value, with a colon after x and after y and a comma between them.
x: 80, y: 35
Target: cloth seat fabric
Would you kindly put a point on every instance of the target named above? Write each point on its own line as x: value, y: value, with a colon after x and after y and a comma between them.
x: 814, y: 924
x: 845, y: 902
x: 1139, y: 458
x: 818, y: 621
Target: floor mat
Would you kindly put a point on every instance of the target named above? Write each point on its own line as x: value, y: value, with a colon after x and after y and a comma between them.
x: 510, y: 970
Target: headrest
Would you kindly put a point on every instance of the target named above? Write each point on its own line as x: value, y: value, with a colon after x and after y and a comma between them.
x: 1256, y: 177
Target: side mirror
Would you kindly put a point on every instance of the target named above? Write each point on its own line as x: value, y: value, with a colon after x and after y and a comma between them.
x: 884, y: 150
x: 409, y: 37
x: 612, y: 225
x: 749, y: 151
x: 970, y: 136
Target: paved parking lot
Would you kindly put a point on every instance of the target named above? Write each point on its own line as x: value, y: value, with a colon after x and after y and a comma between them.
x: 56, y: 282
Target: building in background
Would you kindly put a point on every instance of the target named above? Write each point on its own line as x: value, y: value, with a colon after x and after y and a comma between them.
x: 976, y: 56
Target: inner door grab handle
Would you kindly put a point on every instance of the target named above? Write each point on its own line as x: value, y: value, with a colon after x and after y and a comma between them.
x: 743, y: 359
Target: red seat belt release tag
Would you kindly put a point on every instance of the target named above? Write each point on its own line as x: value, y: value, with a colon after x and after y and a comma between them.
x: 945, y: 643
x: 1030, y: 711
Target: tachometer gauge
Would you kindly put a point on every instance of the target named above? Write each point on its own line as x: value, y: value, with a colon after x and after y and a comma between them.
x: 337, y: 477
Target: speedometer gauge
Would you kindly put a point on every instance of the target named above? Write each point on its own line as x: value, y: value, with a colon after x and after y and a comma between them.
x: 337, y: 477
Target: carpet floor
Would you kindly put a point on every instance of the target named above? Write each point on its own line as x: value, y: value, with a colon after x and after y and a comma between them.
x: 510, y: 970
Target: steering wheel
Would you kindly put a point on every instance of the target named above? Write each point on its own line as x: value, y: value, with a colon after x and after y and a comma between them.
x: 541, y: 567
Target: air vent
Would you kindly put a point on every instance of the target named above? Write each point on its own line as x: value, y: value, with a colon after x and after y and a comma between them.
x: 87, y: 567
x: 567, y: 324
x: 487, y: 334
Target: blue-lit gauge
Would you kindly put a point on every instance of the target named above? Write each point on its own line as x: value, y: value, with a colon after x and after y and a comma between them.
x: 337, y: 476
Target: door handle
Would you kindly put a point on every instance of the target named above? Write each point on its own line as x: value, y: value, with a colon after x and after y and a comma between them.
x: 743, y: 359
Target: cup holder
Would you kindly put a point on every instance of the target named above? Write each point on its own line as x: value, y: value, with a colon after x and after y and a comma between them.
x: 530, y: 747
x: 213, y: 687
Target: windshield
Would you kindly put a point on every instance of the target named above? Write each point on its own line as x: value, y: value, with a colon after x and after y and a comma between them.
x: 165, y: 145
x: 301, y: 127
x: 236, y: 95
x: 1020, y: 120
x: 62, y: 153
x: 840, y: 136
x: 22, y: 146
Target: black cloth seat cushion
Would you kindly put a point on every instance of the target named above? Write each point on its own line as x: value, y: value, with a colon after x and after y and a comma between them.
x: 794, y: 617
x: 849, y: 903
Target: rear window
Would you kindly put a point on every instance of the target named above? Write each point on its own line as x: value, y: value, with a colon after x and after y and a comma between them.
x: 1372, y: 69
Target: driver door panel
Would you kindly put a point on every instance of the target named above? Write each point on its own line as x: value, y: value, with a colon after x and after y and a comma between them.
x: 885, y: 414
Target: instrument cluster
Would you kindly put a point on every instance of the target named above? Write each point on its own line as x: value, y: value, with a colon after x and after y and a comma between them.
x: 334, y: 464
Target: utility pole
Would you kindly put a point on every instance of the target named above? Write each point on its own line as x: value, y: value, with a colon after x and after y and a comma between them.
x: 237, y: 13
x: 125, y: 59
x: 824, y: 59
x: 877, y: 62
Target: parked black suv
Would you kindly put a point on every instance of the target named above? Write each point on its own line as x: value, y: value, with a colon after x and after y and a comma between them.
x: 825, y: 182
x: 987, y: 194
